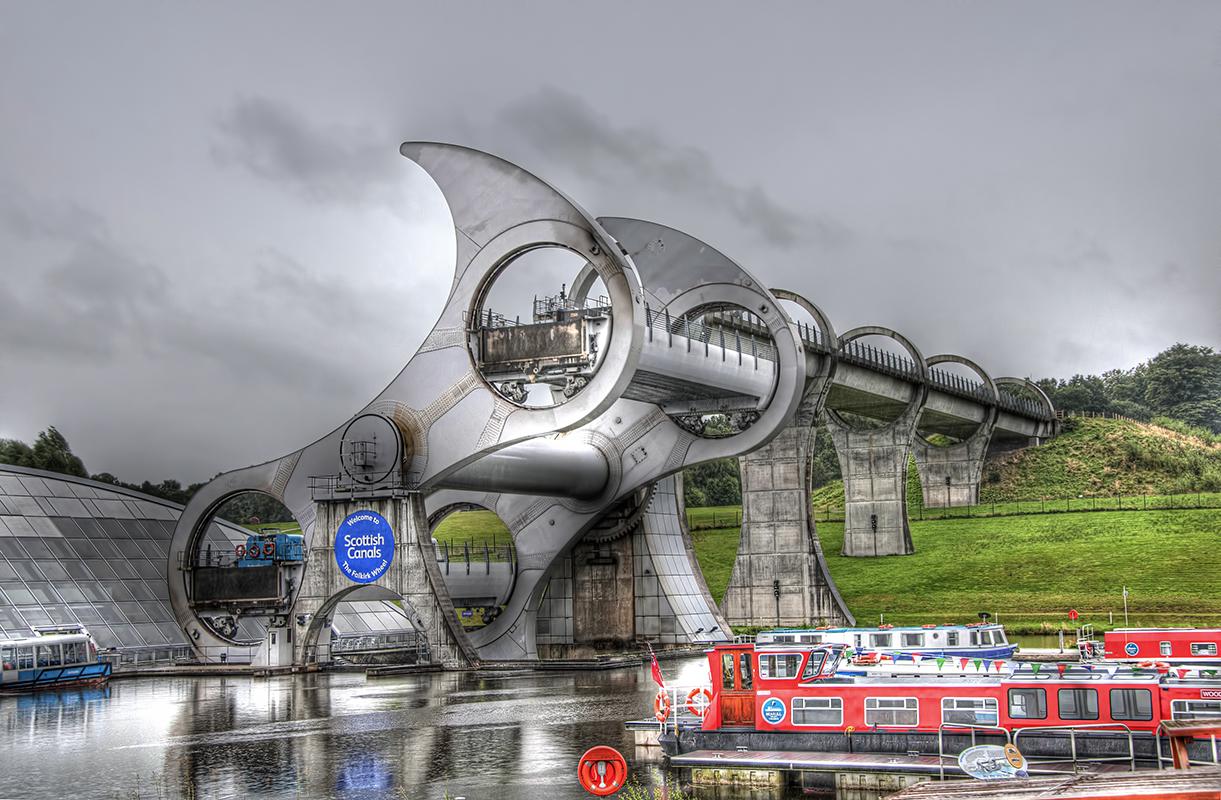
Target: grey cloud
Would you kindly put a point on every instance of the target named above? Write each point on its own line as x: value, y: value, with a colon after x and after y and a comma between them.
x: 335, y: 164
x: 566, y: 128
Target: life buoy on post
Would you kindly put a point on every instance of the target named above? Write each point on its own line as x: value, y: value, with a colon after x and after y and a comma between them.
x: 268, y: 549
x: 241, y: 551
x: 698, y: 701
x: 661, y: 705
x: 602, y: 770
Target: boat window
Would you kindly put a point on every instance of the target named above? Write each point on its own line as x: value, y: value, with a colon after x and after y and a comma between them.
x: 812, y: 638
x: 745, y: 671
x: 48, y: 655
x: 813, y: 666
x: 1131, y: 704
x: 1195, y: 709
x: 818, y: 711
x: 857, y: 641
x: 969, y: 710
x: 879, y: 640
x: 783, y: 638
x: 1028, y: 704
x: 913, y: 639
x: 1078, y: 703
x: 998, y: 637
x: 1164, y: 648
x: 8, y: 658
x: 727, y: 671
x: 985, y: 637
x: 892, y: 711
x: 951, y: 638
x: 25, y: 657
x: 1203, y: 648
x: 975, y: 638
x: 74, y: 652
x: 774, y: 666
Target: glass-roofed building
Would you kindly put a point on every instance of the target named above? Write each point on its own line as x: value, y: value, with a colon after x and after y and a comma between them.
x: 76, y: 551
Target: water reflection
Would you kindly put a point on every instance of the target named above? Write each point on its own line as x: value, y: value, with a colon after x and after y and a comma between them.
x: 489, y: 735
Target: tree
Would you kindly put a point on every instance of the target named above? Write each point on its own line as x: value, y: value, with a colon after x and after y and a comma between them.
x: 50, y: 452
x: 1181, y: 376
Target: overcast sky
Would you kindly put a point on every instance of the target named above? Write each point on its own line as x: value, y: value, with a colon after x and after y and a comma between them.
x: 212, y: 253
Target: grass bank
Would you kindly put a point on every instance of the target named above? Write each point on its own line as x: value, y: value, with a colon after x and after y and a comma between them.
x: 1030, y: 569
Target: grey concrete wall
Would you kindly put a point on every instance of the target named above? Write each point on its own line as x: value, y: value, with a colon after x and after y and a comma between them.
x: 603, y: 593
x: 413, y: 575
x: 779, y: 542
x: 950, y: 476
x: 874, y: 466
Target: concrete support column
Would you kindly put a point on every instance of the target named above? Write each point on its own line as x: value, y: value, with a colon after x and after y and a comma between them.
x: 950, y: 476
x: 780, y: 575
x: 874, y: 466
x: 413, y: 575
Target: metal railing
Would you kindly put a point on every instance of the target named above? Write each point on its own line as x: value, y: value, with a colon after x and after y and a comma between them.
x: 1072, y: 731
x: 679, y: 712
x: 466, y: 555
x: 342, y: 487
x: 941, y: 729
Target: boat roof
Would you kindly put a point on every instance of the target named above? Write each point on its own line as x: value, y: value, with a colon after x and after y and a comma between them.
x: 1165, y: 630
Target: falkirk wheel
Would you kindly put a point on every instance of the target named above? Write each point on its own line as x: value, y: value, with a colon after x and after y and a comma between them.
x: 573, y: 428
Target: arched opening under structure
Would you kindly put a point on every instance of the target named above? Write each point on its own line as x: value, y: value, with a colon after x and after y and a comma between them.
x: 365, y: 625
x: 244, y: 566
x: 539, y: 327
x: 890, y: 399
x: 959, y: 379
x: 477, y: 560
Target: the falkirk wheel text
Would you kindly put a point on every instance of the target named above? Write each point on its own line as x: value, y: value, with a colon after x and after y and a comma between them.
x: 574, y: 426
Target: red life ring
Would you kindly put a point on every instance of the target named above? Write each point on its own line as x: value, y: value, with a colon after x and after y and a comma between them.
x: 241, y: 551
x: 698, y: 701
x: 661, y: 705
x: 269, y: 548
x: 602, y: 771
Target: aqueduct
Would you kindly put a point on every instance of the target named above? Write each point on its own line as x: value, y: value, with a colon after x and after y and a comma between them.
x: 574, y: 427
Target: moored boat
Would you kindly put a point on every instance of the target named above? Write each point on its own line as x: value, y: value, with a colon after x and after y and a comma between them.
x: 975, y: 640
x: 53, y: 658
x: 1172, y: 645
x: 793, y: 697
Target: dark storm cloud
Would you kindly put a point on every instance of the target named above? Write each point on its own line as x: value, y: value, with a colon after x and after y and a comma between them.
x: 336, y: 164
x: 564, y: 127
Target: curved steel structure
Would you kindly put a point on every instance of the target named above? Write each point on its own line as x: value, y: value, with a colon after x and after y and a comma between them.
x: 573, y: 428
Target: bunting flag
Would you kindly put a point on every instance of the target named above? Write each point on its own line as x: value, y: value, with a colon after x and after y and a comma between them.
x: 1035, y: 667
x: 962, y: 663
x: 917, y: 658
x: 1061, y: 667
x: 940, y: 663
x: 1089, y: 667
x: 998, y: 664
x: 1182, y: 671
x: 1212, y: 673
x: 987, y: 665
x: 976, y: 662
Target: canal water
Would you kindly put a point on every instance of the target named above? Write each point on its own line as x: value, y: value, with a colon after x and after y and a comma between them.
x: 503, y: 736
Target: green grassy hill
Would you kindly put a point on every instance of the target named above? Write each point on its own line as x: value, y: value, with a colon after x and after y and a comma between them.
x: 1105, y: 457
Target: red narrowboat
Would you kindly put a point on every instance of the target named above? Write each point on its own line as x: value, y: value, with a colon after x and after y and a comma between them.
x: 1174, y: 645
x: 775, y: 697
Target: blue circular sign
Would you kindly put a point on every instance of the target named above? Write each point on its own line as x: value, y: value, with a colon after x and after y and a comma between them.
x: 773, y: 711
x: 1131, y: 649
x: 364, y: 546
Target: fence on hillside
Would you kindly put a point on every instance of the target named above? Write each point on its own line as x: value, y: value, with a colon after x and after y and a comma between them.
x: 699, y: 519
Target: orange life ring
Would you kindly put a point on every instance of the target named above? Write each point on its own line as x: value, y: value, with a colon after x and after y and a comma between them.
x: 269, y: 548
x: 241, y: 551
x: 661, y: 705
x: 928, y: 626
x: 602, y: 771
x: 698, y: 701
